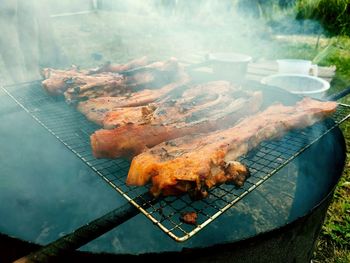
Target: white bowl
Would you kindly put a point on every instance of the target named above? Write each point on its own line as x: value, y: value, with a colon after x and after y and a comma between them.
x: 299, y: 84
x: 229, y: 66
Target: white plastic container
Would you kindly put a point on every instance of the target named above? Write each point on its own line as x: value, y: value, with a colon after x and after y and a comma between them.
x: 229, y: 66
x: 300, y: 84
x: 296, y: 66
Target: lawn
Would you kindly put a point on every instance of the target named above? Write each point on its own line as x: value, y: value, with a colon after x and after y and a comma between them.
x: 334, y: 242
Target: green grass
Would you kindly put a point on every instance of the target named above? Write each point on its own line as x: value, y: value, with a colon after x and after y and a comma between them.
x: 334, y: 242
x: 332, y: 14
x: 337, y: 227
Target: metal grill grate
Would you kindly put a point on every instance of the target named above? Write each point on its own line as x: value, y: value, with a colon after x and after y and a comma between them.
x: 73, y: 130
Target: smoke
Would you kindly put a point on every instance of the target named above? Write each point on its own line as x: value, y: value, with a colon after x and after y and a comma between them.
x: 123, y: 30
x: 45, y: 191
x: 86, y: 33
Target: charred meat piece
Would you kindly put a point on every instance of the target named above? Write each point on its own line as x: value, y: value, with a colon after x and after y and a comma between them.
x: 93, y: 86
x: 117, y: 68
x: 128, y: 115
x: 189, y: 218
x: 152, y: 76
x: 95, y: 110
x: 168, y: 123
x: 195, y: 163
x: 56, y: 81
x: 130, y: 139
x: 194, y: 104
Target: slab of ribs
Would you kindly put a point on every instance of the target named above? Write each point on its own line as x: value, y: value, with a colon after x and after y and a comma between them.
x: 195, y: 163
x: 57, y: 81
x: 81, y: 85
x: 181, y: 137
x: 199, y: 109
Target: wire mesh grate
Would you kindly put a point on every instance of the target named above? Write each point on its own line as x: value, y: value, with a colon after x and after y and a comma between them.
x: 73, y: 130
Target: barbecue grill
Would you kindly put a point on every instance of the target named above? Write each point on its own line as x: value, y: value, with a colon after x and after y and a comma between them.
x: 283, y: 196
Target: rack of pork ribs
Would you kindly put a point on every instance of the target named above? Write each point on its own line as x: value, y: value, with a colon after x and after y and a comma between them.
x: 181, y: 137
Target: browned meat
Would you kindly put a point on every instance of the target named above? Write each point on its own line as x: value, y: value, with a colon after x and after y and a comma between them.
x: 96, y: 109
x: 152, y: 76
x: 117, y: 68
x: 195, y: 163
x: 130, y: 139
x: 93, y: 86
x: 128, y: 115
x: 189, y: 218
x: 57, y: 81
x: 190, y: 104
x: 203, y: 108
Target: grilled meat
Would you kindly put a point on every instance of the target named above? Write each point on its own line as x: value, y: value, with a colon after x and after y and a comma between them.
x: 124, y: 116
x: 152, y: 76
x: 202, y: 108
x: 92, y: 86
x: 129, y: 140
x: 56, y: 81
x: 96, y: 109
x: 195, y: 163
x: 109, y: 79
x: 189, y: 218
x: 190, y: 104
x: 117, y: 68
